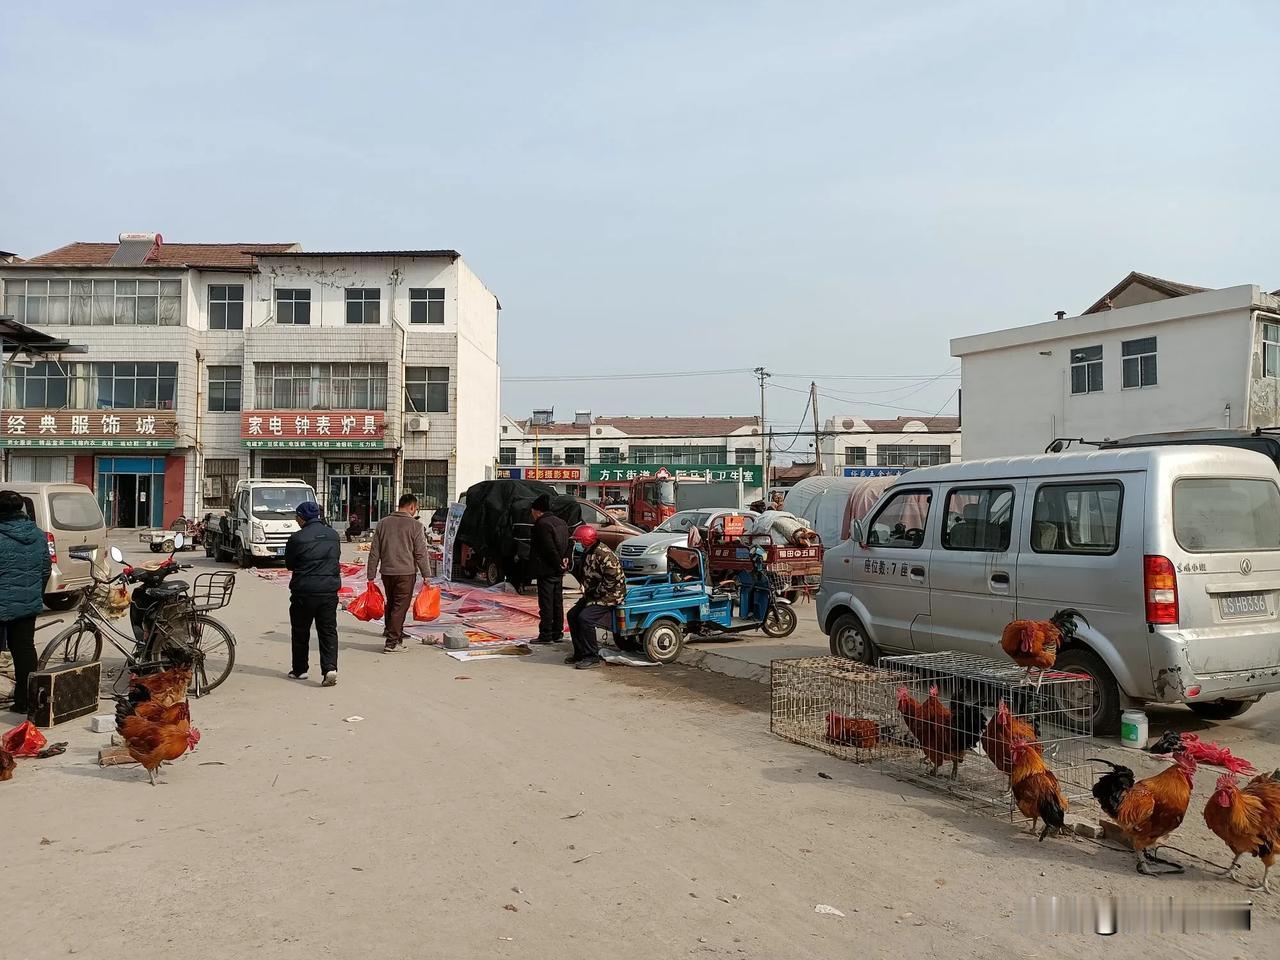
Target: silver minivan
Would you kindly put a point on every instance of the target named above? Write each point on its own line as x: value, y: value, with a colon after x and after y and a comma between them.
x: 69, y: 515
x: 1172, y: 554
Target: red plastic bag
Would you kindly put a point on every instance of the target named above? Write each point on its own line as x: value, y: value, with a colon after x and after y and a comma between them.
x: 370, y: 605
x: 24, y: 740
x: 426, y: 605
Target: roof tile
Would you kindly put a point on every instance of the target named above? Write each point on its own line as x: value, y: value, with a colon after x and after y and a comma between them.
x: 232, y: 256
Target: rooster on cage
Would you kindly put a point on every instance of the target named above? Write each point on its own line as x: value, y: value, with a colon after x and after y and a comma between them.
x: 1034, y: 643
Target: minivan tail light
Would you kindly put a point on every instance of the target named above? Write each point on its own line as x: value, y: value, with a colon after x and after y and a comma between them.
x: 1160, y: 582
x: 53, y: 550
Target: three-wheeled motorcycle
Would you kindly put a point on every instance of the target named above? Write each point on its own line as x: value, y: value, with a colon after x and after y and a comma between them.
x: 659, y: 612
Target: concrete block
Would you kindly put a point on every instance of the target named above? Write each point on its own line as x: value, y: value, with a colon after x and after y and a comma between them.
x: 103, y: 723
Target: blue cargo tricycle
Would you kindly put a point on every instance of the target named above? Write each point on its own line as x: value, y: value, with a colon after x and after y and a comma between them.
x: 659, y: 612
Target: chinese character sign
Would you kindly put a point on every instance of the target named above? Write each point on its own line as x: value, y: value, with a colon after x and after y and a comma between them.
x: 101, y: 429
x: 748, y: 474
x: 310, y: 429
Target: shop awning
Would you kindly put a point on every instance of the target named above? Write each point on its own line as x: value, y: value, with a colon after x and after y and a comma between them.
x: 18, y: 337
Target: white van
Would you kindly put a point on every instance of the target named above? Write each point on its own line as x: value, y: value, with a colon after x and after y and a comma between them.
x: 69, y: 515
x: 1172, y: 553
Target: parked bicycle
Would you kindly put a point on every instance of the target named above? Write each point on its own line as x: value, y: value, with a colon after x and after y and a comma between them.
x: 175, y: 626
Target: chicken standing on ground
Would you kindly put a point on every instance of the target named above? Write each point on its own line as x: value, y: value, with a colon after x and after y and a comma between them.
x: 1034, y: 643
x: 152, y: 742
x: 1147, y: 810
x: 1036, y: 789
x: 1248, y: 820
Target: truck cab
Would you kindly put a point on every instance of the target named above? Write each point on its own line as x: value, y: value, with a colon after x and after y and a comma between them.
x: 260, y: 522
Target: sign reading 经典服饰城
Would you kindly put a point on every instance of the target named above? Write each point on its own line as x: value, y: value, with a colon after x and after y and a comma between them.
x: 749, y: 474
x: 314, y: 430
x: 94, y: 429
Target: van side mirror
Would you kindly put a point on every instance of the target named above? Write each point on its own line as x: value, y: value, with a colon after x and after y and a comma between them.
x: 857, y: 534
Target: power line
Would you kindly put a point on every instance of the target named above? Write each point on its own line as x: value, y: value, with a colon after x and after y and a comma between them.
x: 727, y: 372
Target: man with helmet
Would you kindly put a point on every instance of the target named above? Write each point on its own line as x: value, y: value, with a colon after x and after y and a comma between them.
x: 604, y: 586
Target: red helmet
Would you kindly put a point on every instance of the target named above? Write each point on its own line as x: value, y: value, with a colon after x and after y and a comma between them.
x: 586, y: 535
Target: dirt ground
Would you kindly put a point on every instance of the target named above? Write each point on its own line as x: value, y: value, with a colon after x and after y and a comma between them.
x: 523, y: 809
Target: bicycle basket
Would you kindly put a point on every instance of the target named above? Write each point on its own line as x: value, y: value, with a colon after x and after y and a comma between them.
x: 112, y: 599
x: 212, y: 591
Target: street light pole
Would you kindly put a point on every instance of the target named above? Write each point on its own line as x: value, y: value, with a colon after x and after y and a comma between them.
x: 764, y: 375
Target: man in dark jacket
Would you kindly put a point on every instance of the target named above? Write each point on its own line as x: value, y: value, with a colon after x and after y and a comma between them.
x: 24, y: 568
x: 548, y: 549
x: 400, y: 548
x: 314, y: 554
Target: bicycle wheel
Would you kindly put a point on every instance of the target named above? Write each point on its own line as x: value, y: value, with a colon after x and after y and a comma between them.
x: 79, y: 643
x: 212, y: 652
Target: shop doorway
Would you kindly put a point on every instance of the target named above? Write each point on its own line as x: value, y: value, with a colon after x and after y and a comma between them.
x: 131, y: 491
x: 361, y: 490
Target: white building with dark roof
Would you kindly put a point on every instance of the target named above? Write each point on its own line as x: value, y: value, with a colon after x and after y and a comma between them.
x: 1150, y: 356
x: 365, y: 373
x: 596, y: 456
x: 855, y: 446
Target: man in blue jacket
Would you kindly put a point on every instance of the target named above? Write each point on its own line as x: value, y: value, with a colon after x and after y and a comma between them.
x: 24, y: 569
x: 314, y: 554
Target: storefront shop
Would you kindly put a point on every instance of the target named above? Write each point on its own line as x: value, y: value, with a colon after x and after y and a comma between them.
x: 342, y: 453
x: 124, y: 456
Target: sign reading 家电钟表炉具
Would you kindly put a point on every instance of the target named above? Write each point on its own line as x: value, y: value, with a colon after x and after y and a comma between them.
x: 94, y: 429
x: 314, y: 430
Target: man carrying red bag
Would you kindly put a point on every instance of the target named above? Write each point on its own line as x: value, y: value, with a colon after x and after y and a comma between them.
x: 400, y: 548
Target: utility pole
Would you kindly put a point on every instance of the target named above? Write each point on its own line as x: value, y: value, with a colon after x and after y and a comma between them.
x: 818, y: 469
x: 764, y: 375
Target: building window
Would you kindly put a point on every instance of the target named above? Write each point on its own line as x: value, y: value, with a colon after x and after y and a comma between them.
x: 283, y: 468
x: 1139, y: 360
x: 320, y: 386
x: 94, y: 302
x: 363, y: 304
x: 226, y: 306
x: 912, y: 455
x: 429, y: 479
x: 426, y: 389
x: 1086, y: 370
x: 224, y: 389
x: 744, y: 455
x: 293, y: 307
x: 688, y: 455
x: 542, y: 457
x: 220, y: 478
x: 426, y: 304
x: 507, y: 456
x: 1271, y: 349
x: 855, y: 456
x: 575, y: 454
x: 92, y: 386
x: 608, y: 454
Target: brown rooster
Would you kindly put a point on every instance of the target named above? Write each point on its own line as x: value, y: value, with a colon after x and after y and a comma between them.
x: 1248, y: 820
x: 1035, y: 788
x: 1034, y: 643
x: 1147, y: 810
x: 944, y: 734
x: 151, y: 742
x: 165, y: 688
x: 6, y: 765
x: 999, y: 736
x: 852, y: 731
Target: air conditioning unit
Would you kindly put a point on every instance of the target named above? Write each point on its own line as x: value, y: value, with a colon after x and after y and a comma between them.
x: 417, y: 424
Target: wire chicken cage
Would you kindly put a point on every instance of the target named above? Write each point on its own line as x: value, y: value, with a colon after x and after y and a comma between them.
x: 961, y: 740
x: 834, y: 705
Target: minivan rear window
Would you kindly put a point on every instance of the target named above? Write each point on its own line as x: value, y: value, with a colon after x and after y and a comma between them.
x: 75, y: 511
x: 1212, y: 514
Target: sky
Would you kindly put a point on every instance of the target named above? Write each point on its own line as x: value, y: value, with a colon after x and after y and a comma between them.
x: 829, y: 190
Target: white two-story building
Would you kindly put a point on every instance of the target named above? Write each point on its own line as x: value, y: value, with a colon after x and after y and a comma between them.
x: 855, y: 446
x: 1150, y: 356
x: 365, y: 373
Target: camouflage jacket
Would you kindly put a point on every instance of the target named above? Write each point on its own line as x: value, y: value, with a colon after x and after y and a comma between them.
x: 603, y: 581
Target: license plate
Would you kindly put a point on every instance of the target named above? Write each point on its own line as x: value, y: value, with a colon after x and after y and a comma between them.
x: 1238, y: 605
x: 279, y: 551
x: 628, y: 564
